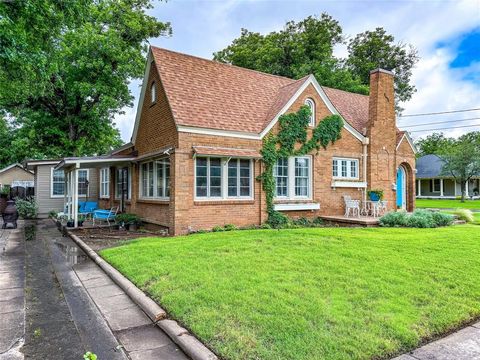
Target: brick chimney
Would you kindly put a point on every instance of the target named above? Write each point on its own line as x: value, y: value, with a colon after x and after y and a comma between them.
x: 381, y: 132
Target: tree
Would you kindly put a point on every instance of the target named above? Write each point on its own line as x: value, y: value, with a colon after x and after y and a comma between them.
x: 461, y: 159
x: 298, y: 50
x: 65, y: 68
x: 433, y: 144
x: 377, y: 49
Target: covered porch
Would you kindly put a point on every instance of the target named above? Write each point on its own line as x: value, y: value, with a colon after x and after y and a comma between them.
x: 446, y: 188
x: 71, y: 167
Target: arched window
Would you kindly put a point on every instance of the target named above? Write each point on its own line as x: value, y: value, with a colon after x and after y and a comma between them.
x: 311, y: 104
x: 153, y: 92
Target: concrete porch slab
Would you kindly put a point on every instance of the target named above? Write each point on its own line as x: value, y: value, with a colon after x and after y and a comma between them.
x: 364, y: 221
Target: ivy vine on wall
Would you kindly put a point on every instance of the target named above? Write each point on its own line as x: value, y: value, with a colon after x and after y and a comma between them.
x: 292, y: 140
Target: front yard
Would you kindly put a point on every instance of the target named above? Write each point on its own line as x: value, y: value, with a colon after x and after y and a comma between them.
x: 325, y: 293
x: 447, y: 204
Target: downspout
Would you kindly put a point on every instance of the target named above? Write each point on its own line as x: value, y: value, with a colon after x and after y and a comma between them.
x: 365, y: 144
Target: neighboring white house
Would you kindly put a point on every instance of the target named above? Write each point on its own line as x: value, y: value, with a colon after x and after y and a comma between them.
x: 50, y: 185
x: 432, y: 184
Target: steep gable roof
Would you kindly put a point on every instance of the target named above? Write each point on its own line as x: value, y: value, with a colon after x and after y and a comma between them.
x: 205, y: 94
x: 209, y: 94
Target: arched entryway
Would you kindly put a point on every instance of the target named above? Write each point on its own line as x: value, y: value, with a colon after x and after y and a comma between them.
x: 401, y: 188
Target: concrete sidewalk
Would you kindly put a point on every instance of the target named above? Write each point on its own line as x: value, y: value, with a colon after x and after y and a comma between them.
x: 461, y: 345
x: 12, y: 293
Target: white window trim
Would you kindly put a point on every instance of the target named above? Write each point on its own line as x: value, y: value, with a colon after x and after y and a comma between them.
x: 102, y: 182
x: 311, y: 104
x: 224, y: 181
x: 155, y: 181
x: 339, y: 168
x: 291, y: 180
x: 65, y: 189
x: 129, y: 190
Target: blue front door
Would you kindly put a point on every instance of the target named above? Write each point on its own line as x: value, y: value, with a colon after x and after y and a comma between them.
x: 400, y: 187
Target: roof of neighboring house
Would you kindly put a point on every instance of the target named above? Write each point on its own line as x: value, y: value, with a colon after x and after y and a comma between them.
x: 429, y: 166
x: 14, y: 165
x: 209, y: 94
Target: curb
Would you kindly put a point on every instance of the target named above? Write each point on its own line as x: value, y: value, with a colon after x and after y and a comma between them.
x: 186, y: 341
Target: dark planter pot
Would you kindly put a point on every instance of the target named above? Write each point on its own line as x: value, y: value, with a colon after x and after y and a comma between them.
x: 374, y: 197
x: 71, y: 223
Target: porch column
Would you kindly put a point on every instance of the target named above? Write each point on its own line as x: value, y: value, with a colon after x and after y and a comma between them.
x: 455, y: 187
x: 75, y: 197
x: 419, y: 187
x: 69, y: 197
x: 466, y: 188
x: 441, y: 187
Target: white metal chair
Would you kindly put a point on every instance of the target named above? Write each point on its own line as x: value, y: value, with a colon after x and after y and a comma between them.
x: 351, y: 206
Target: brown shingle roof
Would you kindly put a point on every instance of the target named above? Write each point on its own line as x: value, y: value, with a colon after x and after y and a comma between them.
x: 208, y: 94
x: 352, y: 107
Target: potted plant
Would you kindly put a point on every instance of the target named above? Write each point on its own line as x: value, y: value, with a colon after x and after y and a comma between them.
x: 128, y: 221
x: 375, y: 194
x: 71, y: 223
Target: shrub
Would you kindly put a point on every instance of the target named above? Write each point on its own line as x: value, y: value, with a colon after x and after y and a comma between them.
x: 442, y: 219
x: 265, y: 226
x: 318, y: 221
x: 127, y: 219
x: 278, y: 220
x: 302, y: 221
x: 52, y: 214
x: 27, y: 208
x: 464, y: 214
x: 229, y: 227
x: 421, y: 219
x: 394, y: 219
x: 217, y: 228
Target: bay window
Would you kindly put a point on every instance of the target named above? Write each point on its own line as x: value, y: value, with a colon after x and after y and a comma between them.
x: 293, y: 177
x: 343, y: 168
x: 104, y: 182
x: 221, y: 178
x: 155, y: 179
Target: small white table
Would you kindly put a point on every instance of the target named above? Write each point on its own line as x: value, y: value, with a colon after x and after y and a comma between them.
x: 374, y: 208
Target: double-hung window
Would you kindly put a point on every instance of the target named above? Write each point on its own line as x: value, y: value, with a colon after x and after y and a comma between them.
x: 105, y: 182
x: 239, y: 178
x: 223, y: 178
x: 435, y: 185
x: 293, y: 177
x: 345, y: 168
x: 155, y: 179
x: 58, y: 183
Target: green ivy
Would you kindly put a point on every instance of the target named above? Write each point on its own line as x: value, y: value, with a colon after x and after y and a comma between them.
x: 292, y: 140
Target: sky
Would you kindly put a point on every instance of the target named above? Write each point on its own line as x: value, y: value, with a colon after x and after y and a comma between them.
x: 445, y: 33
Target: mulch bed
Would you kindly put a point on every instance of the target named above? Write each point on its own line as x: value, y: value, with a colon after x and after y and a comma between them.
x: 106, y: 237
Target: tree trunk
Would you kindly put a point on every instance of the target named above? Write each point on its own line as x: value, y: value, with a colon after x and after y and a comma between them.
x: 462, y: 187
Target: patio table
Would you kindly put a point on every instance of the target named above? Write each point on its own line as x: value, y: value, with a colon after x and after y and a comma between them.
x: 373, y: 208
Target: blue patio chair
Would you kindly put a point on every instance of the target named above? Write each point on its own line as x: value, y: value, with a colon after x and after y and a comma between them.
x: 105, y: 215
x: 88, y: 208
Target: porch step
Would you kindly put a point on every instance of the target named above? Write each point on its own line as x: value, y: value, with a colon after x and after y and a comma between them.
x: 340, y: 220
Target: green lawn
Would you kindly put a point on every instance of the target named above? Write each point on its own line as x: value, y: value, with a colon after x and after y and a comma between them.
x: 327, y: 293
x: 447, y: 204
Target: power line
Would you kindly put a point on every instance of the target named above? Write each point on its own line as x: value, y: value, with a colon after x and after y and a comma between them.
x: 440, y: 122
x: 439, y: 113
x: 446, y: 128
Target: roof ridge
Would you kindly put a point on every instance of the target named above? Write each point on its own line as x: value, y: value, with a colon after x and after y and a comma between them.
x: 225, y: 64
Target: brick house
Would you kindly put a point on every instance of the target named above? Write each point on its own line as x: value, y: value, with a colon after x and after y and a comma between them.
x: 194, y: 154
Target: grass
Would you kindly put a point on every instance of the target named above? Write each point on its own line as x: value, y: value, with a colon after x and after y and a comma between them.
x: 447, y: 204
x: 325, y: 293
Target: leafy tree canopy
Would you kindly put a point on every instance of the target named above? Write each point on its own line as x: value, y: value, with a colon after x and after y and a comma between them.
x: 306, y: 47
x: 461, y: 159
x: 65, y: 67
x: 433, y: 144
